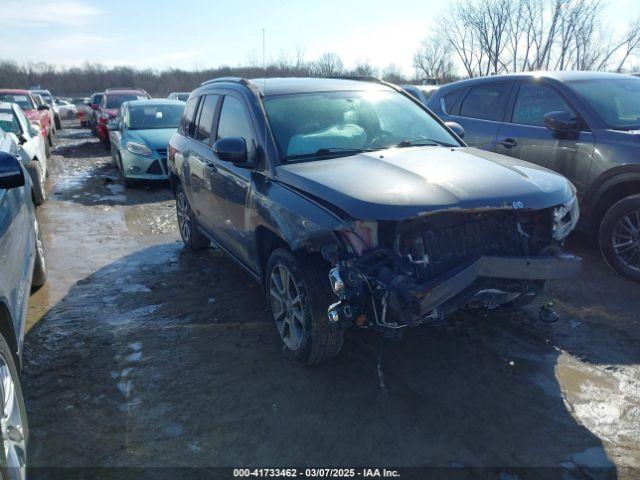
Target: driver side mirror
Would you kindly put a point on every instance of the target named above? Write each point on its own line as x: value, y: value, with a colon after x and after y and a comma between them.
x: 561, y: 122
x: 43, y: 107
x: 11, y: 173
x: 456, y: 128
x: 232, y: 149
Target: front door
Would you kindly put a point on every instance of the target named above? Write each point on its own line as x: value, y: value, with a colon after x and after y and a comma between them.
x: 230, y: 184
x: 524, y: 136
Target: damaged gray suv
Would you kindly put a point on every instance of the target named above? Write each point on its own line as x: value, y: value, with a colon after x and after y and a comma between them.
x: 355, y: 207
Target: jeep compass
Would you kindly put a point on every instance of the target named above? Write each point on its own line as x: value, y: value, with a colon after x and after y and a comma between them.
x: 355, y: 207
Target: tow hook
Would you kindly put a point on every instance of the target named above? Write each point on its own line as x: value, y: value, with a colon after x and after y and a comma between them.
x: 547, y: 314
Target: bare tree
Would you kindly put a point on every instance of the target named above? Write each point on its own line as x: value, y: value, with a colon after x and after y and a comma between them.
x: 434, y: 60
x: 495, y: 36
x: 392, y: 73
x: 328, y: 65
x: 365, y: 69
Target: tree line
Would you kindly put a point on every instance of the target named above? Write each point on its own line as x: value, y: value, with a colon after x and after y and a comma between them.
x: 91, y: 77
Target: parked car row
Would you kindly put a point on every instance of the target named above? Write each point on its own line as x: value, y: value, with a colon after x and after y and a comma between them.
x: 23, y: 167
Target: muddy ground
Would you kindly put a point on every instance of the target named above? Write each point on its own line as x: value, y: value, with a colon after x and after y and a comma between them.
x: 142, y: 354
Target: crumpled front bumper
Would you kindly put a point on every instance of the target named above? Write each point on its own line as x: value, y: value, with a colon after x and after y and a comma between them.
x: 553, y: 267
x: 390, y: 299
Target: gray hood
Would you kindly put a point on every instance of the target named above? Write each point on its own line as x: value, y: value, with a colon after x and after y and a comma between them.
x: 400, y: 183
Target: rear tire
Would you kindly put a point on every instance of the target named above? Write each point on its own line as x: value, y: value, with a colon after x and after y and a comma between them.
x: 192, y: 237
x: 298, y: 293
x: 37, y: 179
x: 619, y: 237
x: 15, y: 434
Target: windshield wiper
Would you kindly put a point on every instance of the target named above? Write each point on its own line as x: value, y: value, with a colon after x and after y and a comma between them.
x: 423, y: 142
x: 324, y: 152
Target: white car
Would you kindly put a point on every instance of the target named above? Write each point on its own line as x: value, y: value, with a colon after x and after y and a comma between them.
x: 31, y: 145
x: 66, y: 109
x: 182, y: 96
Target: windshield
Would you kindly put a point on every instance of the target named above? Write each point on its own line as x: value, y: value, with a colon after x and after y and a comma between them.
x: 8, y: 122
x: 23, y: 100
x: 304, y: 124
x: 617, y: 101
x: 150, y: 117
x: 115, y: 101
x: 97, y: 100
x: 47, y: 98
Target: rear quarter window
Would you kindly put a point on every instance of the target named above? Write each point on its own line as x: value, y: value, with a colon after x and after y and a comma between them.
x: 187, y: 125
x: 451, y: 101
x: 485, y: 102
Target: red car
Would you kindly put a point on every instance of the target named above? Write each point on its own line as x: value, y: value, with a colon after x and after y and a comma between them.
x: 112, y: 99
x: 38, y: 115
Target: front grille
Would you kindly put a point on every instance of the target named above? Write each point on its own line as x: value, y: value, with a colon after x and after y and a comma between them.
x: 154, y: 168
x: 163, y: 160
x: 437, y: 244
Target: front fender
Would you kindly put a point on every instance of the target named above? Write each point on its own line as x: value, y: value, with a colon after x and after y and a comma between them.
x: 299, y: 220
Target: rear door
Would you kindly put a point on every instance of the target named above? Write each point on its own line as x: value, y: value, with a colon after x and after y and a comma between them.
x: 481, y: 111
x: 198, y: 158
x: 524, y: 135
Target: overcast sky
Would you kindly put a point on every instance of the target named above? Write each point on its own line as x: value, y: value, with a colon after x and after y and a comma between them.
x: 207, y: 33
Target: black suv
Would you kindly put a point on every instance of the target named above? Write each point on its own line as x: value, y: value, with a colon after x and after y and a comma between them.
x: 585, y: 125
x: 356, y: 207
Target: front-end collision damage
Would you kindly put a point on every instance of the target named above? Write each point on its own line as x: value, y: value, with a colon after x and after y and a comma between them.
x: 393, y: 275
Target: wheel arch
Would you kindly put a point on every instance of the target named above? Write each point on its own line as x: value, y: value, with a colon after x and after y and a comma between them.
x: 611, y: 190
x: 8, y: 332
x: 266, y: 242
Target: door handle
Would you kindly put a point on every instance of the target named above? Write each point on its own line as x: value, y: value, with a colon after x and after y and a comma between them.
x: 508, y: 142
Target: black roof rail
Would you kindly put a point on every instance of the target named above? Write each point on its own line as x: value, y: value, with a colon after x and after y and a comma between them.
x: 360, y: 78
x: 243, y: 81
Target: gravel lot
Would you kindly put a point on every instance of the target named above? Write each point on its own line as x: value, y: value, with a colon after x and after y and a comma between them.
x: 141, y: 354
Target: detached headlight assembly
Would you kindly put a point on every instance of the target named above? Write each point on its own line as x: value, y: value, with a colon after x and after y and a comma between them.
x: 138, y: 148
x: 565, y: 219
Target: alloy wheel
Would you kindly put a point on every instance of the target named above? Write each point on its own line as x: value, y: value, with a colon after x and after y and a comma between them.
x: 184, y: 216
x: 11, y: 425
x: 626, y: 240
x: 286, y: 305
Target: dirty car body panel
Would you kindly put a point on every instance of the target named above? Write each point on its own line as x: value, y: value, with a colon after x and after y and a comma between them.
x: 407, y: 232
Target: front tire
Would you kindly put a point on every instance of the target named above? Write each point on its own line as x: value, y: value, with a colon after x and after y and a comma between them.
x: 37, y: 179
x: 619, y: 237
x: 14, y: 425
x: 298, y: 294
x: 192, y: 237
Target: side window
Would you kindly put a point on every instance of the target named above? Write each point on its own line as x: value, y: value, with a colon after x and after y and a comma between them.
x: 235, y: 122
x: 188, y: 120
x: 9, y: 122
x: 485, y: 102
x: 534, y: 102
x: 22, y: 120
x: 207, y: 114
x: 451, y: 101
